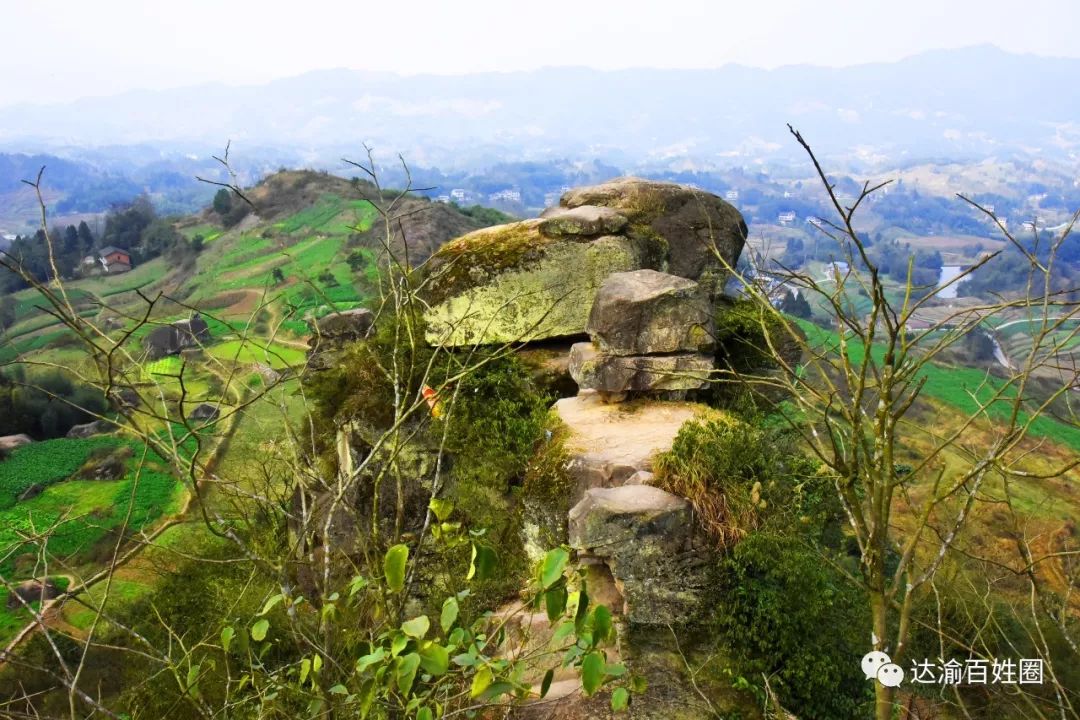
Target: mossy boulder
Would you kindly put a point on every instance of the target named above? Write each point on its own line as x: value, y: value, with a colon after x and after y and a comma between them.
x: 699, y: 228
x: 513, y: 283
x: 537, y: 279
x: 583, y: 220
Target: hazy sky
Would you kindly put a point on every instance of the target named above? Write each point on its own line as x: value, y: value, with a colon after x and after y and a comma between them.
x: 63, y: 49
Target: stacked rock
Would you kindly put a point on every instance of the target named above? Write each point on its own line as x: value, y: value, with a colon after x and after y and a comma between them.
x: 651, y: 333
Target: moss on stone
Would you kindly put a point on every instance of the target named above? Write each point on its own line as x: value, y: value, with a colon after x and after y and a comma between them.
x: 548, y: 296
x: 549, y: 490
x: 464, y: 261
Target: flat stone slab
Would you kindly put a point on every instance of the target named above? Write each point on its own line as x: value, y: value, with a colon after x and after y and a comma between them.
x: 616, y: 374
x: 609, y: 443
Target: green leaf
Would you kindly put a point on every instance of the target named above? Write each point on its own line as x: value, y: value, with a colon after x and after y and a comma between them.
x: 546, y: 684
x: 434, y: 659
x: 357, y: 584
x: 339, y: 690
x: 582, y: 610
x: 601, y: 623
x: 398, y: 644
x: 316, y: 664
x: 424, y: 714
x: 555, y: 602
x: 227, y: 634
x: 368, y: 660
x: 562, y: 632
x: 554, y: 564
x: 499, y: 688
x: 620, y: 699
x: 305, y: 670
x: 417, y: 627
x: 592, y: 672
x: 465, y: 660
x: 258, y: 630
x: 441, y: 508
x: 270, y: 604
x: 193, y: 680
x: 481, y: 682
x: 405, y: 672
x: 484, y: 560
x: 615, y: 670
x: 394, y: 567
x: 449, y: 614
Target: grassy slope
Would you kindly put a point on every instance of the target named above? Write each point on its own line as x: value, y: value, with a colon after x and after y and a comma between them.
x: 961, y: 388
x: 232, y: 277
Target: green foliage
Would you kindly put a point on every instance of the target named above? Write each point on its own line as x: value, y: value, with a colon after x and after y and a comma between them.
x: 222, y: 201
x: 966, y: 389
x: 548, y: 489
x: 484, y: 215
x: 84, y: 513
x: 496, y: 418
x: 776, y: 595
x: 717, y: 463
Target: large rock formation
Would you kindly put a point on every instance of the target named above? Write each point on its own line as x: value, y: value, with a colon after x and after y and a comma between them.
x: 618, y: 375
x: 330, y: 334
x: 95, y: 427
x: 697, y: 226
x: 537, y: 279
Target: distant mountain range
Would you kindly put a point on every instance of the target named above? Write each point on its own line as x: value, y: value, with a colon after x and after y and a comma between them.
x: 956, y: 104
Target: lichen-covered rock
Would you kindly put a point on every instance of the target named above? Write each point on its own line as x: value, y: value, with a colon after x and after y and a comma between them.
x: 344, y: 326
x: 205, y: 412
x: 606, y: 519
x: 513, y: 283
x: 621, y: 374
x: 645, y: 312
x: 582, y: 220
x: 699, y: 227
x: 172, y: 338
x: 644, y: 535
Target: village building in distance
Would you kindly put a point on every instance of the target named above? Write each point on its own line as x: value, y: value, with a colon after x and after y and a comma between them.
x: 110, y: 260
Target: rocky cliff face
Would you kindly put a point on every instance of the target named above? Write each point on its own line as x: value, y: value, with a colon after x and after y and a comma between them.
x: 537, y: 279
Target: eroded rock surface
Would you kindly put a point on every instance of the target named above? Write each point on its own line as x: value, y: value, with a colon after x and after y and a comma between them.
x: 700, y: 228
x: 647, y: 312
x: 617, y: 375
x: 97, y: 427
x: 609, y: 443
x: 644, y: 535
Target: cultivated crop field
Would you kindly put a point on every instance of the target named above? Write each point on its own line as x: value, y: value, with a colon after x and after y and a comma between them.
x: 83, y: 514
